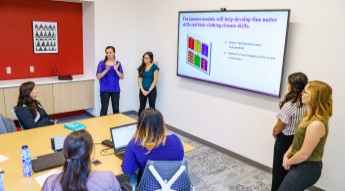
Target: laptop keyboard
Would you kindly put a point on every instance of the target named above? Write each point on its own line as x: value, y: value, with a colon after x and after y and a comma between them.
x: 48, y: 161
x: 120, y: 154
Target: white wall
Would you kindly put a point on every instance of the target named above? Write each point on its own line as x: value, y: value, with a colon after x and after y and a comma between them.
x: 236, y: 120
x: 89, y: 42
x: 113, y: 25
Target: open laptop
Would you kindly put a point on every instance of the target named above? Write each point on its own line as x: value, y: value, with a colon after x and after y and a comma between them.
x: 121, y: 135
x: 48, y: 161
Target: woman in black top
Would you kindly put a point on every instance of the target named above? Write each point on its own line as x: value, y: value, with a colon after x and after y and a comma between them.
x: 29, y: 111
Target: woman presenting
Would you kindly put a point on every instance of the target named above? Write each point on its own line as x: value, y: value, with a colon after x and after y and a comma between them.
x: 109, y: 73
x: 291, y: 111
x: 147, y: 80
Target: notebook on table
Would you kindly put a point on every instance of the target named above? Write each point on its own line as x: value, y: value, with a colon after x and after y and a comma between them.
x: 121, y: 136
x: 48, y: 161
x: 74, y: 125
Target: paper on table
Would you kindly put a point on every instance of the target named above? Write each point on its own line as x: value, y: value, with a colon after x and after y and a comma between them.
x: 40, y: 179
x: 3, y: 158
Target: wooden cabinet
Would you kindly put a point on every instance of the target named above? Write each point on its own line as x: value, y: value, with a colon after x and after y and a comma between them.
x: 46, y: 97
x: 73, y: 96
x: 54, y: 97
x: 11, y: 97
x: 2, y: 103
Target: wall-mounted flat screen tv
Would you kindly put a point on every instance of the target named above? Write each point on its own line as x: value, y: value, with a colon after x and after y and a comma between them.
x: 243, y: 49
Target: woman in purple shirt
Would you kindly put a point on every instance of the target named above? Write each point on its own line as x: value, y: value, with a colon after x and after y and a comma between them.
x: 150, y: 142
x: 109, y: 73
x: 76, y: 173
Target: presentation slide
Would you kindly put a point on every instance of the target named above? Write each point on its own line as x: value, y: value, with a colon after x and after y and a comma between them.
x: 240, y: 49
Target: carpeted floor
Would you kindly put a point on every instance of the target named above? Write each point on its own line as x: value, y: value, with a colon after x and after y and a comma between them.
x: 218, y: 171
x: 215, y: 170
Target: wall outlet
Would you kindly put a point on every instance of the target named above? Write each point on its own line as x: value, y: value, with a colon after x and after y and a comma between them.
x: 8, y: 70
x: 32, y: 69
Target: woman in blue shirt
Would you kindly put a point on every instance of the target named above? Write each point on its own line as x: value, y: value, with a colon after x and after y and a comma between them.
x: 109, y: 73
x: 150, y: 142
x: 147, y: 80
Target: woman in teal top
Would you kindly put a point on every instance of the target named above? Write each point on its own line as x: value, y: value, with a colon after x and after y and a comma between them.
x: 147, y: 80
x: 304, y: 157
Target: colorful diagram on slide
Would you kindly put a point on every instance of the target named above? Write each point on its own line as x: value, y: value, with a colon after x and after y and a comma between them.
x: 199, y: 53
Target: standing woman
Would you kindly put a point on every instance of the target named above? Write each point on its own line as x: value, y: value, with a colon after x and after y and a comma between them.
x: 29, y: 111
x: 291, y: 111
x: 147, y: 80
x: 109, y: 73
x: 304, y: 157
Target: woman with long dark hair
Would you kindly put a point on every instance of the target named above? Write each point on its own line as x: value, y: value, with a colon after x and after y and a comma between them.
x: 303, y: 159
x: 150, y: 142
x: 291, y: 111
x: 109, y: 73
x: 77, y: 174
x: 29, y: 111
x: 147, y: 80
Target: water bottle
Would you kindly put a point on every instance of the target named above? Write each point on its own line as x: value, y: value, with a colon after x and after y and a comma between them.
x: 26, y: 161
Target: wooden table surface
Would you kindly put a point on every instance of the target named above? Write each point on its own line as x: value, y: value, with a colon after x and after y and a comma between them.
x: 38, y: 140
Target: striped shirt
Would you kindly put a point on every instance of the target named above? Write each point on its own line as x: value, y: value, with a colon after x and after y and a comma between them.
x: 290, y: 115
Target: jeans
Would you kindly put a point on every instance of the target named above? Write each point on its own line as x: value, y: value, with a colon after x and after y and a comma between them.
x: 281, y: 145
x: 152, y: 100
x: 115, y: 98
x: 301, y: 176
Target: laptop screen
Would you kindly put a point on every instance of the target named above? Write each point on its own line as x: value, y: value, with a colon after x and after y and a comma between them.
x: 122, y: 135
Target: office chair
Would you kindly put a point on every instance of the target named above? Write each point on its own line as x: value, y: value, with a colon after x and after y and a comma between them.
x: 15, y: 114
x: 164, y: 176
x: 6, y: 125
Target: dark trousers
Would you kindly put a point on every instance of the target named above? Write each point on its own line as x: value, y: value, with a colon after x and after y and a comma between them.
x: 152, y: 100
x: 281, y: 145
x: 301, y: 176
x: 115, y: 98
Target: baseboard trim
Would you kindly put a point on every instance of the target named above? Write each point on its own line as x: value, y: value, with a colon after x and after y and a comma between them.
x: 131, y: 112
x: 221, y: 149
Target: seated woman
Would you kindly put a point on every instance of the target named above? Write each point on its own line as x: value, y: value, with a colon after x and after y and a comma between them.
x: 150, y: 142
x: 77, y: 173
x: 29, y: 111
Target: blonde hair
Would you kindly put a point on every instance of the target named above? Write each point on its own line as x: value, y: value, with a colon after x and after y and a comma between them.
x: 320, y: 103
x: 151, y: 131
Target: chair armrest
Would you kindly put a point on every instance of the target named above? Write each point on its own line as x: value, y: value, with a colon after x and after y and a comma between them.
x: 193, y: 179
x: 133, y: 179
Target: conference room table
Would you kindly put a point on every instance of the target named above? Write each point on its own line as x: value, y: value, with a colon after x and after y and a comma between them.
x: 38, y: 141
